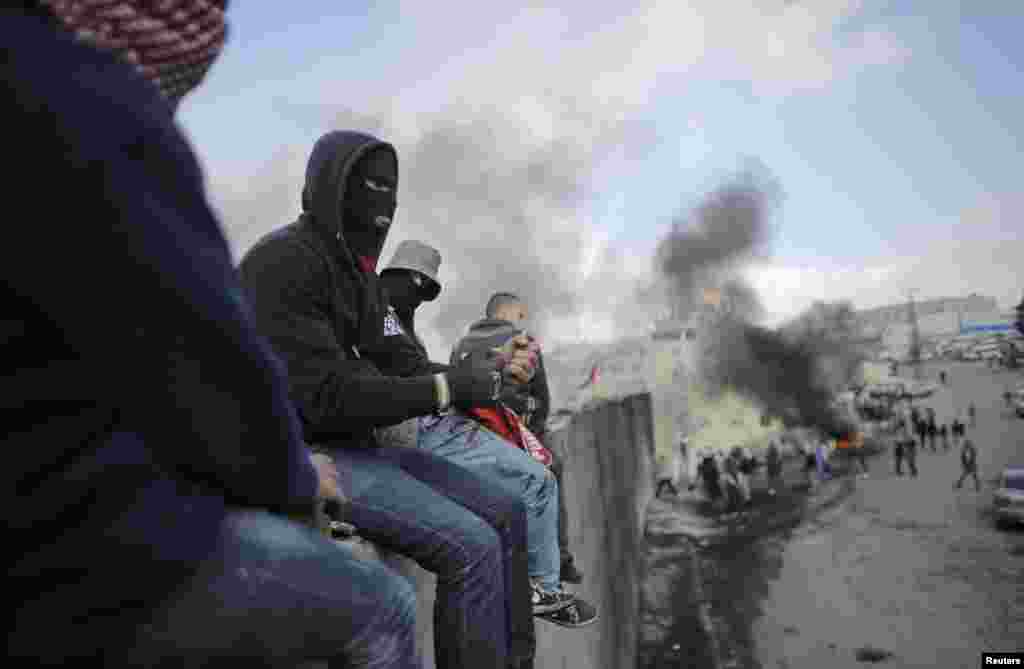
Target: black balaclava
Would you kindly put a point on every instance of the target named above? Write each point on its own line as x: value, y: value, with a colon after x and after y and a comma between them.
x: 403, y: 291
x: 369, y: 204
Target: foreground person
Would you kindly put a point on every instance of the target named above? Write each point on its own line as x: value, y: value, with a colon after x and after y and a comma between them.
x: 152, y: 447
x: 315, y: 294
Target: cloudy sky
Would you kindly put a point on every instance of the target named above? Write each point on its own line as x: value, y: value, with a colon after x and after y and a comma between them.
x: 546, y: 148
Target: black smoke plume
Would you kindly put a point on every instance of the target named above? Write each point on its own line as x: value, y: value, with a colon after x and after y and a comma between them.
x: 781, y: 370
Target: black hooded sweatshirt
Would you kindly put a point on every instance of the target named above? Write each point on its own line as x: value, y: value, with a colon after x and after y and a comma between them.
x: 327, y: 318
x: 533, y: 400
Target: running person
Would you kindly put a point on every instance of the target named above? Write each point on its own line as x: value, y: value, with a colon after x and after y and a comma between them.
x: 969, y: 465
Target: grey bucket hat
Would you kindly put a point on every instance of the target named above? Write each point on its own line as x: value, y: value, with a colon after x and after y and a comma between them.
x: 419, y: 257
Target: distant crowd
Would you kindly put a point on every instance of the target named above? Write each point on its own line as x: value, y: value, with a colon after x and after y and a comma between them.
x: 915, y: 429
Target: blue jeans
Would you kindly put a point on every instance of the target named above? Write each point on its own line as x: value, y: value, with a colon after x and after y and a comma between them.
x: 468, y: 444
x: 275, y: 593
x: 469, y: 533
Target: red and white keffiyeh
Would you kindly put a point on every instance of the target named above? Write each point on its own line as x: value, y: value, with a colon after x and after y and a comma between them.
x: 505, y: 423
x: 173, y: 43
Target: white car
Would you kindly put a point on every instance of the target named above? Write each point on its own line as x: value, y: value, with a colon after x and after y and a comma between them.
x: 1008, y: 499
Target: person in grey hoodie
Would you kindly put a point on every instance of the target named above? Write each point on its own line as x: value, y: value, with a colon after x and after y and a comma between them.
x: 505, y: 314
x: 411, y: 278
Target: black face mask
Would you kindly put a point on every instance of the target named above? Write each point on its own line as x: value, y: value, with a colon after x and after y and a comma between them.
x: 403, y: 291
x: 369, y: 205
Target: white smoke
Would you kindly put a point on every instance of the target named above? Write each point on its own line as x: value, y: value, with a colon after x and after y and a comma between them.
x: 508, y: 118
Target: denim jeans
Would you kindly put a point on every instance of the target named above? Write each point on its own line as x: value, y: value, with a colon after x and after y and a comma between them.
x: 469, y: 533
x: 467, y: 443
x: 275, y: 593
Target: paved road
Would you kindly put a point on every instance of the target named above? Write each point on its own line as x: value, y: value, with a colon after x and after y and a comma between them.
x: 907, y: 566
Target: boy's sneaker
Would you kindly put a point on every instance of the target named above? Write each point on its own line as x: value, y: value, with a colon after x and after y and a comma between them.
x: 570, y: 574
x: 547, y: 602
x: 579, y: 613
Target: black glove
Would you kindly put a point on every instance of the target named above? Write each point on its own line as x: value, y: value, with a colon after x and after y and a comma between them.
x: 476, y: 382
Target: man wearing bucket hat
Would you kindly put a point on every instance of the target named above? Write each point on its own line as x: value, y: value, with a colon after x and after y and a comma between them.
x: 410, y: 279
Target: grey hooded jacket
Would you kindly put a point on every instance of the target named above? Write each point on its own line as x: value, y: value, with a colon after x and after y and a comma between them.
x: 532, y: 401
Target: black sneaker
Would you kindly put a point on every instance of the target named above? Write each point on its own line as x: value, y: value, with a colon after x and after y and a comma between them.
x: 547, y: 602
x: 570, y: 574
x: 579, y: 613
x: 342, y: 530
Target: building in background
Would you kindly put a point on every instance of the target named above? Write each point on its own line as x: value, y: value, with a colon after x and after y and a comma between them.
x: 943, y: 317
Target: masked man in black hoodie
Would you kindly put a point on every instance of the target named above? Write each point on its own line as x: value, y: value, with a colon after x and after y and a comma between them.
x: 351, y: 369
x: 152, y: 455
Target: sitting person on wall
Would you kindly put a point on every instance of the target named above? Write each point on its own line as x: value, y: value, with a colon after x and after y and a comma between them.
x: 409, y: 280
x: 149, y: 439
x: 315, y: 295
x: 504, y: 317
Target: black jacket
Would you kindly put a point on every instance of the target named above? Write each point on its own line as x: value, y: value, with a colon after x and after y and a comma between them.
x: 139, y: 400
x: 407, y: 318
x: 531, y: 401
x: 327, y: 319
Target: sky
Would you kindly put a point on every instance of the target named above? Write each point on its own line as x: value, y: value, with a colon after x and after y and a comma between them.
x: 545, y: 148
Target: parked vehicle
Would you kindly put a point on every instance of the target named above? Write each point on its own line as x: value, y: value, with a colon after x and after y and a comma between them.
x: 1018, y: 401
x: 1008, y: 499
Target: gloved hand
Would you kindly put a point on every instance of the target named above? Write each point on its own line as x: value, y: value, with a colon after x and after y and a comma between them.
x: 476, y: 382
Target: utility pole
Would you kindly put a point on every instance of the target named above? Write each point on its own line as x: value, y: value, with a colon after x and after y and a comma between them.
x: 915, y: 335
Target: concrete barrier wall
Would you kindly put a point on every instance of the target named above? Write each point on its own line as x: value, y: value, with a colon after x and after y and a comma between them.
x: 609, y: 479
x: 609, y: 453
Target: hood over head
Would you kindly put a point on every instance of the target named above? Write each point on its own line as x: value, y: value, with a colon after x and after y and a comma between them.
x: 172, y: 43
x: 350, y: 191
